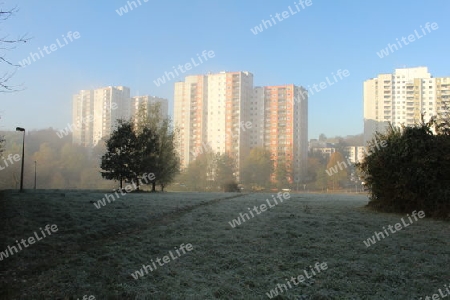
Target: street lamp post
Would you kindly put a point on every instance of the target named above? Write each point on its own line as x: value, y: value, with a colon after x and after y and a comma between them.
x: 34, y: 174
x: 23, y: 157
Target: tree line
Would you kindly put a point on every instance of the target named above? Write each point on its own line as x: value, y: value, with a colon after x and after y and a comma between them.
x: 59, y: 163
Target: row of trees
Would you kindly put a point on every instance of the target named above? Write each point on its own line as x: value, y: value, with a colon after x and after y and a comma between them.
x: 142, y: 147
x: 213, y: 171
x: 209, y: 172
x: 347, y: 175
x: 260, y: 172
x: 60, y: 164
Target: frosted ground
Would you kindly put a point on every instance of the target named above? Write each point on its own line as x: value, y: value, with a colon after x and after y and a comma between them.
x: 95, y: 251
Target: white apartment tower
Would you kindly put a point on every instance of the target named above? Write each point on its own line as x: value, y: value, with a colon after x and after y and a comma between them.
x: 82, y: 117
x: 95, y: 113
x: 190, y: 104
x: 211, y: 111
x: 401, y: 98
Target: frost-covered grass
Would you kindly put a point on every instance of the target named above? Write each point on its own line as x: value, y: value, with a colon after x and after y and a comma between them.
x: 96, y: 250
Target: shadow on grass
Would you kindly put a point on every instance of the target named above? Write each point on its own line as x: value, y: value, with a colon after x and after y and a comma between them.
x: 6, y: 291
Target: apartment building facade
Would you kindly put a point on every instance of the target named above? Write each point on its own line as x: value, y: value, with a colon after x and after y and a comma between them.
x: 190, y: 117
x: 285, y: 127
x: 356, y: 153
x: 209, y: 111
x: 224, y: 113
x: 95, y: 112
x: 401, y: 98
x: 82, y: 117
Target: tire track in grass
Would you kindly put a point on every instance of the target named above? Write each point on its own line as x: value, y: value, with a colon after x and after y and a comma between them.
x: 112, y: 237
x: 165, y: 218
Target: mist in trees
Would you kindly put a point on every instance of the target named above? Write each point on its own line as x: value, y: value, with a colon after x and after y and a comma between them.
x: 210, y: 172
x: 59, y: 163
x: 319, y: 163
x: 257, y: 169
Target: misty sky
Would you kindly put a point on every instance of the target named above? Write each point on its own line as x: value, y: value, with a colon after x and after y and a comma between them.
x: 138, y: 47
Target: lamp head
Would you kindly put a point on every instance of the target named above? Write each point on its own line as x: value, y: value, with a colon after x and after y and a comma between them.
x: 20, y: 129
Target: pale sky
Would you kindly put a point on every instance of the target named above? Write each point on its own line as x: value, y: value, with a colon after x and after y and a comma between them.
x: 134, y: 49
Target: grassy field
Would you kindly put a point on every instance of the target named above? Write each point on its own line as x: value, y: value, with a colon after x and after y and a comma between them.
x: 96, y: 251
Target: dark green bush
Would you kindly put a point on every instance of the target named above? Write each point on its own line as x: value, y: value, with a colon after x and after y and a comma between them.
x: 411, y: 173
x: 231, y: 187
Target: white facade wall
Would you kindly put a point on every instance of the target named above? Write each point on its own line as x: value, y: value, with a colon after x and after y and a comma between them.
x: 401, y: 98
x: 99, y: 110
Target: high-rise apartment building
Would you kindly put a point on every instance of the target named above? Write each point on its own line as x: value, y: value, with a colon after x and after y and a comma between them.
x: 82, y: 117
x: 110, y: 104
x: 401, y: 98
x: 95, y: 112
x: 285, y: 123
x: 190, y: 112
x: 224, y: 113
x: 209, y: 110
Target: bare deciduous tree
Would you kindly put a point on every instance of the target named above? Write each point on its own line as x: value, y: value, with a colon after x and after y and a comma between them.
x: 8, y: 44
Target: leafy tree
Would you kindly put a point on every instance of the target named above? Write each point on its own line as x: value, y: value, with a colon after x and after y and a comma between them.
x: 257, y: 168
x: 120, y: 160
x: 337, y: 170
x: 225, y: 171
x: 281, y: 174
x: 169, y: 162
x: 441, y: 122
x: 165, y: 163
x: 198, y: 174
x: 146, y: 157
x: 322, y: 180
x: 410, y: 172
x: 317, y: 162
